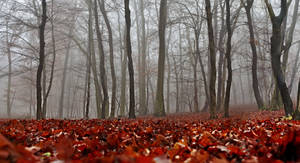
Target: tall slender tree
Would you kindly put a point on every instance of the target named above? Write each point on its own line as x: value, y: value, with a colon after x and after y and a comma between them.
x: 130, y: 62
x: 44, y: 112
x: 228, y: 58
x: 159, y: 109
x: 142, y: 80
x: 41, y: 61
x: 248, y: 5
x: 102, y: 63
x: 212, y: 53
x: 111, y: 58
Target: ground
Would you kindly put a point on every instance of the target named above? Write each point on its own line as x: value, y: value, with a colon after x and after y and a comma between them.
x: 252, y: 136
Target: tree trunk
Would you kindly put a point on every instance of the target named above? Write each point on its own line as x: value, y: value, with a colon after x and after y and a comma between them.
x: 142, y: 80
x: 289, y: 39
x: 102, y: 64
x: 255, y: 87
x: 242, y: 86
x: 41, y: 61
x: 52, y: 67
x: 221, y: 60
x: 111, y: 59
x: 130, y: 62
x: 86, y: 104
x: 194, y: 62
x: 276, y: 43
x: 44, y: 79
x: 295, y: 69
x: 8, y: 98
x: 228, y: 58
x: 176, y: 84
x: 202, y: 70
x: 212, y: 53
x: 159, y: 109
x: 296, y: 115
x: 91, y: 52
x: 169, y: 70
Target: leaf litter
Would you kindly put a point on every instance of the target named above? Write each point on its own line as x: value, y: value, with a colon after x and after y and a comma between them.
x: 190, y: 138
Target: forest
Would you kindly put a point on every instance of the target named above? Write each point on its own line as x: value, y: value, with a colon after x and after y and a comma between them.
x: 149, y: 81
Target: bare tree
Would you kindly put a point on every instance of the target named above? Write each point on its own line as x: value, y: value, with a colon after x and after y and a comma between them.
x: 228, y: 58
x: 130, y: 62
x: 290, y: 34
x: 111, y: 58
x: 295, y: 68
x: 159, y: 109
x: 142, y: 79
x: 52, y: 64
x: 248, y: 6
x: 276, y: 48
x: 41, y: 61
x: 102, y: 63
x: 212, y: 53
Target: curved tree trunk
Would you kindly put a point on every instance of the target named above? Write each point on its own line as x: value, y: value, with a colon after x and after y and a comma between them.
x: 255, y: 87
x: 276, y: 42
x: 111, y: 59
x: 290, y: 36
x: 105, y: 102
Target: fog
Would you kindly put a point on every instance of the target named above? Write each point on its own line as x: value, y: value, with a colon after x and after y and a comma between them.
x: 19, y: 38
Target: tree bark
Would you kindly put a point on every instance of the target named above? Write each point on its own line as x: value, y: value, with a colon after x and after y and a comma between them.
x: 221, y: 59
x: 169, y: 70
x: 52, y: 66
x: 228, y: 58
x: 296, y: 115
x: 295, y: 69
x: 130, y: 62
x: 255, y: 87
x: 142, y: 80
x: 123, y: 69
x: 102, y: 63
x: 111, y: 59
x: 159, y: 109
x: 212, y: 53
x: 41, y: 61
x: 176, y: 84
x: 289, y: 39
x: 87, y: 89
x: 8, y: 97
x: 276, y: 47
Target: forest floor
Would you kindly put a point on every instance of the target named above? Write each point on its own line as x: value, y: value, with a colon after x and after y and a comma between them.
x: 252, y: 136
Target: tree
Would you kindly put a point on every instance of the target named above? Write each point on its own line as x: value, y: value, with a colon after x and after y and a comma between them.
x: 159, y: 109
x: 44, y: 111
x: 276, y: 48
x: 8, y: 96
x: 41, y: 60
x: 212, y: 53
x: 248, y: 6
x: 142, y: 78
x: 130, y: 62
x: 228, y: 58
x: 111, y: 58
x: 102, y: 63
